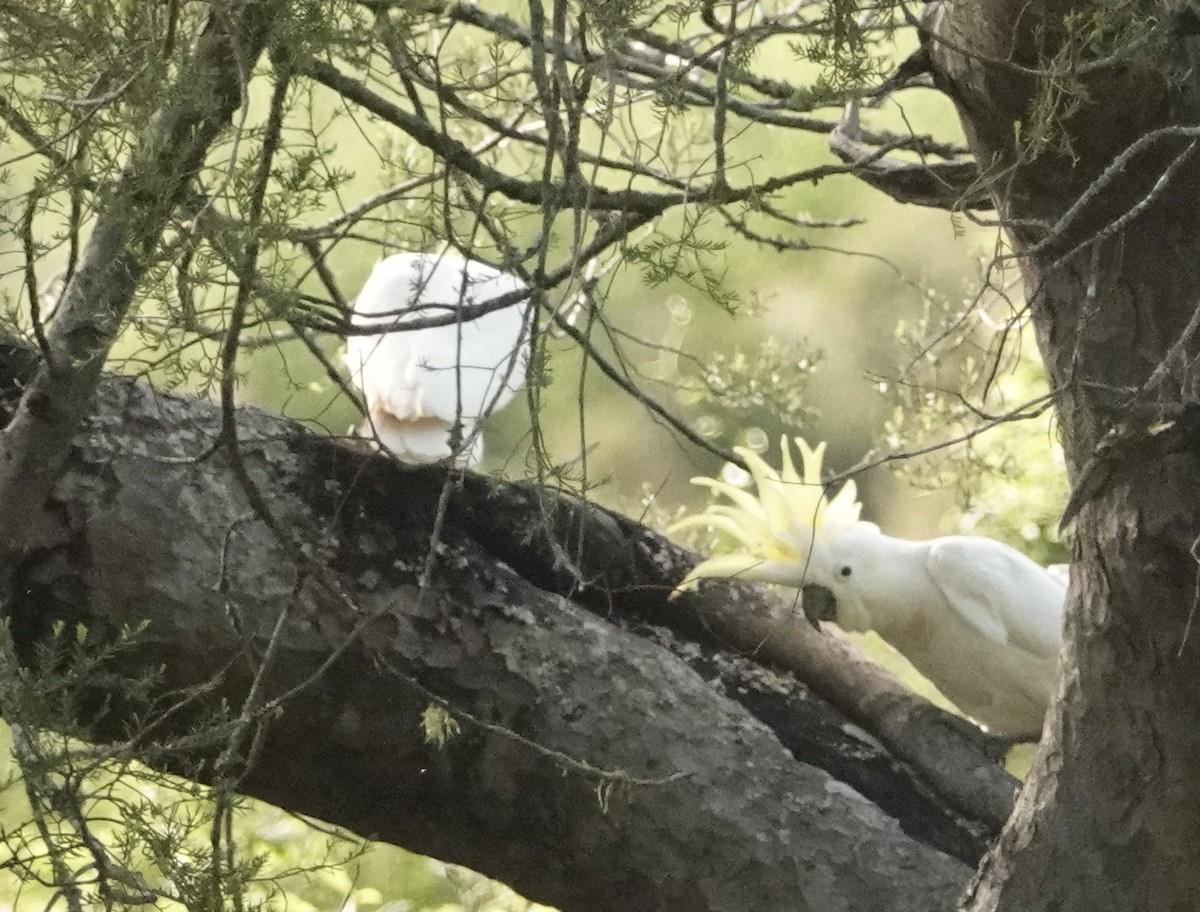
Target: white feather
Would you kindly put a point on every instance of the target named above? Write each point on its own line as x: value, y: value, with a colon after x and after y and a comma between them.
x: 998, y: 590
x: 419, y: 383
x: 979, y: 619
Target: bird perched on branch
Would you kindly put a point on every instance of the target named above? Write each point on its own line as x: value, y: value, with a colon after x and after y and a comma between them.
x: 422, y: 382
x: 979, y: 619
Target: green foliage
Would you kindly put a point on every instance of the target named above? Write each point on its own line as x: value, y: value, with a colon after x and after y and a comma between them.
x: 1080, y: 46
x: 846, y: 47
x: 690, y: 258
x: 980, y: 390
x: 611, y: 21
x: 439, y: 725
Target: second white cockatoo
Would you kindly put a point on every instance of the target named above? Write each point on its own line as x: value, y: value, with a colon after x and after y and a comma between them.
x: 420, y: 383
x: 977, y: 618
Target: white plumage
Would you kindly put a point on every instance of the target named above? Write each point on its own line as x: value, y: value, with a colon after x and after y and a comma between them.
x: 979, y: 619
x: 419, y: 383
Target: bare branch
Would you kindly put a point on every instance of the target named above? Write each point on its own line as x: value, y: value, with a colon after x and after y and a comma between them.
x: 951, y: 185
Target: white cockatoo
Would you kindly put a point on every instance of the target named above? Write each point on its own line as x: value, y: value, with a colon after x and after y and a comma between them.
x: 979, y: 619
x: 419, y: 383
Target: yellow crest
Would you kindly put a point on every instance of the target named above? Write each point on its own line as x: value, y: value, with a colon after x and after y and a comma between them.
x: 778, y: 521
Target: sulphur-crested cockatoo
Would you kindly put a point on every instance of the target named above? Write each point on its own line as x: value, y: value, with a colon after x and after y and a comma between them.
x: 419, y: 383
x: 979, y: 619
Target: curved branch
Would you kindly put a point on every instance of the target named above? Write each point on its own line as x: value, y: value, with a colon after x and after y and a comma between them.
x: 953, y: 185
x: 534, y: 193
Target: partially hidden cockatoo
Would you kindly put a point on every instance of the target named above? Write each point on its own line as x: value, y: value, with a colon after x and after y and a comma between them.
x: 419, y: 383
x: 979, y: 619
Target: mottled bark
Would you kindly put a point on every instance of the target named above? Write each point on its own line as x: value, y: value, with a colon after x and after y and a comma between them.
x: 737, y: 817
x: 1111, y: 260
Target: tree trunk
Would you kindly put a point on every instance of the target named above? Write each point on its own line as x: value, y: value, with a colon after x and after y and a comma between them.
x: 1107, y: 820
x: 595, y: 770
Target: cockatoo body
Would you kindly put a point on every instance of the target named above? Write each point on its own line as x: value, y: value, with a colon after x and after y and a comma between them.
x: 979, y: 619
x: 419, y: 383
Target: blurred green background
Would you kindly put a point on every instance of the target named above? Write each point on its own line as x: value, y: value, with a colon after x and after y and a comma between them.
x: 836, y: 343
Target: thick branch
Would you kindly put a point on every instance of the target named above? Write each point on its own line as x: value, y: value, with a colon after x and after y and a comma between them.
x: 594, y: 556
x: 701, y: 807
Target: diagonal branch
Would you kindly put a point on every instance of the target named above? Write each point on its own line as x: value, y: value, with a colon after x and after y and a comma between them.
x: 534, y: 193
x: 34, y: 446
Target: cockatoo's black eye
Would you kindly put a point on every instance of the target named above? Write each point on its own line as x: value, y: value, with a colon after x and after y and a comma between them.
x: 845, y: 571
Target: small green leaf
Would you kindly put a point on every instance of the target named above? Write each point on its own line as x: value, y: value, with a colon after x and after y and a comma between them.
x: 439, y: 726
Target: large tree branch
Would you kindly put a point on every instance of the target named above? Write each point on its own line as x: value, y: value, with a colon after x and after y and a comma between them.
x: 595, y: 770
x: 593, y: 554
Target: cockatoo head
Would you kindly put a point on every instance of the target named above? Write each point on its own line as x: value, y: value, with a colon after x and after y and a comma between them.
x: 789, y: 532
x: 846, y: 563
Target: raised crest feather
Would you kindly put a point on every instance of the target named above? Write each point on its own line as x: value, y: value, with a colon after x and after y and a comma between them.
x: 778, y: 520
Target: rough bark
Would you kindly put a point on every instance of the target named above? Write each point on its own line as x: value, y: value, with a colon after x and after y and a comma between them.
x: 734, y: 819
x: 1107, y: 820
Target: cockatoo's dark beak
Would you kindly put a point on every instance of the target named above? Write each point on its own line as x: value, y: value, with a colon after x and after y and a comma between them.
x: 819, y: 605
